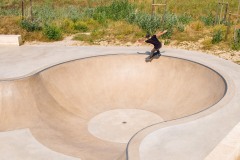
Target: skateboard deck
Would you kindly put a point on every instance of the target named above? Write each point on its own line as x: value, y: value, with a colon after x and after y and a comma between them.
x: 149, y: 59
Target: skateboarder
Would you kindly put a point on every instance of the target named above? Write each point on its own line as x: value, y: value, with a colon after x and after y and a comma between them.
x: 155, y: 42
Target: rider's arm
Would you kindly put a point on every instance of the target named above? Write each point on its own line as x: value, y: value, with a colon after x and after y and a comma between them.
x: 161, y: 33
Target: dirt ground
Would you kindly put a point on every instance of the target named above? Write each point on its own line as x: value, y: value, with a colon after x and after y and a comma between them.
x: 196, y: 46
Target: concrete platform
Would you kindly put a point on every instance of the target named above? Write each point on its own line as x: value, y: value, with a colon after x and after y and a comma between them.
x: 11, y: 40
x: 179, y: 106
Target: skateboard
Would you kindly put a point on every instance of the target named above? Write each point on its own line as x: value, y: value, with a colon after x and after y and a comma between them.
x: 149, y: 58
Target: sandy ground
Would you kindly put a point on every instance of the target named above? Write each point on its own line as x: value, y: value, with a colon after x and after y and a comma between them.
x: 195, y: 46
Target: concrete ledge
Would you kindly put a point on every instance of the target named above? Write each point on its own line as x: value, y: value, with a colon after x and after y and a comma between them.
x: 11, y: 40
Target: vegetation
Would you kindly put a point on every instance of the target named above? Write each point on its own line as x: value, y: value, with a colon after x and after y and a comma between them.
x: 93, y: 21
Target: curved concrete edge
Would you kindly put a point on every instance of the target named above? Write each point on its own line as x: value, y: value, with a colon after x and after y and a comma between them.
x: 193, y: 137
x: 20, y: 144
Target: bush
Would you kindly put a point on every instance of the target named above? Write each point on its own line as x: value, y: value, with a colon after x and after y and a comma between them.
x: 45, y: 13
x: 52, y: 32
x: 81, y: 26
x: 145, y: 21
x: 73, y: 13
x: 67, y: 26
x: 208, y: 20
x: 184, y: 19
x: 30, y: 26
x: 236, y: 43
x: 101, y: 18
x: 217, y: 37
x: 180, y: 27
x: 170, y: 22
x: 117, y: 10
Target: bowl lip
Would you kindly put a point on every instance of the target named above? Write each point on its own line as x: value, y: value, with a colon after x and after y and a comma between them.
x: 38, y: 71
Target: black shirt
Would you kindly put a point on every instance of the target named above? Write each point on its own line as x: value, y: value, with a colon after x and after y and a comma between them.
x: 153, y: 40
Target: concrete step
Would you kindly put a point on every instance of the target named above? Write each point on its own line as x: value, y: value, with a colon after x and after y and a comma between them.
x: 11, y: 40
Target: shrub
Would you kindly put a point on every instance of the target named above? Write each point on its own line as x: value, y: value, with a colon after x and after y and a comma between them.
x: 117, y: 10
x: 30, y: 26
x: 52, y: 32
x: 170, y: 21
x: 145, y: 21
x: 45, y: 13
x: 167, y: 42
x: 180, y: 27
x: 217, y: 37
x: 236, y: 43
x: 73, y: 13
x: 81, y: 26
x: 184, y: 19
x: 67, y: 25
x: 208, y: 20
x: 101, y: 18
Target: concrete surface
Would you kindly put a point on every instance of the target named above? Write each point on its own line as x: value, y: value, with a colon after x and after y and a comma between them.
x: 11, y: 40
x: 20, y: 144
x: 228, y: 148
x: 119, y: 125
x: 58, y: 103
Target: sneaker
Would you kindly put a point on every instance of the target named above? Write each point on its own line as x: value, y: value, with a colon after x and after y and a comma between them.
x: 158, y: 53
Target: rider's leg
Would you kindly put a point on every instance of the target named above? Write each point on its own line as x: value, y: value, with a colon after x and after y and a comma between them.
x: 152, y: 52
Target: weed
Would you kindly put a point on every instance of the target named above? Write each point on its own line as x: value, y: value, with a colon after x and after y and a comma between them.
x: 30, y: 26
x: 81, y: 26
x: 117, y: 10
x: 73, y: 13
x: 236, y: 43
x: 145, y: 21
x: 44, y: 13
x: 184, y: 18
x: 217, y: 37
x: 170, y: 22
x: 208, y: 20
x: 67, y: 25
x: 52, y: 32
x: 180, y: 27
x: 167, y: 42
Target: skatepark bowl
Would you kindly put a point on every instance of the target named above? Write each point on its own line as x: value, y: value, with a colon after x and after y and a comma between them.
x: 90, y: 108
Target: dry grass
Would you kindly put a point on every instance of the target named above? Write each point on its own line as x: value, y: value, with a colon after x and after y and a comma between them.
x: 116, y: 31
x: 10, y: 25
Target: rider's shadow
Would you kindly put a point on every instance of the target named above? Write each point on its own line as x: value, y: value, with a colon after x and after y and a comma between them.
x: 148, y: 53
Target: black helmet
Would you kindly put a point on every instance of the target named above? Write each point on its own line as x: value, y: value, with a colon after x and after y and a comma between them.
x: 147, y: 35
